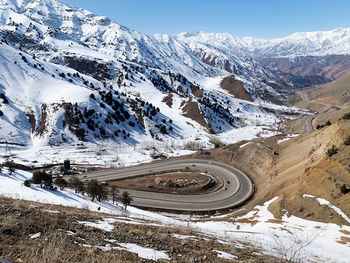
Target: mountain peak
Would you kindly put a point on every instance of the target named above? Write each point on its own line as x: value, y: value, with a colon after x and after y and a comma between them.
x: 21, y: 4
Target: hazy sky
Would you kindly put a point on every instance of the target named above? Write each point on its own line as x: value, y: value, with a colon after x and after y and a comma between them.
x: 257, y: 18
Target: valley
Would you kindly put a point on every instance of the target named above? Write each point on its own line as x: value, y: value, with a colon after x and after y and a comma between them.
x: 231, y: 149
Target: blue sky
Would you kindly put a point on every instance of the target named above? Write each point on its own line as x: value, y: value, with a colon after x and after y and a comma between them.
x: 257, y: 18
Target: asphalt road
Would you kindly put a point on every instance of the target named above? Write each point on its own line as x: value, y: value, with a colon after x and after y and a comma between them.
x: 236, y: 189
x: 308, y: 123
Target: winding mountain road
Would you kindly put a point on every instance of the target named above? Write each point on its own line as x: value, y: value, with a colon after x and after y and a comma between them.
x: 236, y: 186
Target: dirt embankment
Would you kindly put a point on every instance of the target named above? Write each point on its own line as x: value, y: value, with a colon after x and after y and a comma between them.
x: 191, y: 110
x: 43, y: 120
x: 302, y: 166
x: 235, y: 88
x: 196, y: 91
x: 173, y: 183
x: 168, y: 99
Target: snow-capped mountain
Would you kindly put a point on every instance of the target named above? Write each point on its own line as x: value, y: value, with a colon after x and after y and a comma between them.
x: 63, y: 32
x: 318, y: 43
x: 67, y: 75
x: 322, y: 55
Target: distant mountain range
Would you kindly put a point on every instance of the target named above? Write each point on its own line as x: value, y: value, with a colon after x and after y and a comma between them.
x: 319, y: 53
x: 68, y: 76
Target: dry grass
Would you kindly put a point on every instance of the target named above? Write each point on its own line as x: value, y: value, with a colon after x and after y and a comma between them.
x: 20, y: 219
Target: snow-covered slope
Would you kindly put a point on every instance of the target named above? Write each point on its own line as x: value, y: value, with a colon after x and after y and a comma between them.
x: 318, y: 43
x: 68, y: 75
x: 288, y: 237
x: 74, y: 31
x: 226, y: 52
x: 307, y: 58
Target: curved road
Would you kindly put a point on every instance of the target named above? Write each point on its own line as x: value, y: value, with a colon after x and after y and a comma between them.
x: 237, y: 187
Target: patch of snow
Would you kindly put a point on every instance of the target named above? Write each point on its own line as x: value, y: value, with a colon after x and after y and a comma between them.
x: 183, y: 236
x: 225, y: 255
x: 105, y: 225
x: 223, y: 242
x: 287, y: 138
x: 105, y: 248
x: 12, y: 187
x: 70, y: 233
x: 243, y: 145
x: 142, y: 252
x: 259, y: 226
x: 37, y: 235
x: 53, y: 211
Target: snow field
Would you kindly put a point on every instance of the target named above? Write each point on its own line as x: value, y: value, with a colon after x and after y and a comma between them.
x: 276, y: 237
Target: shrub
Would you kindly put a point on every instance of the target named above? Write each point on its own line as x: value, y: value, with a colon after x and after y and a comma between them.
x: 163, y: 129
x: 4, y: 99
x: 27, y: 183
x: 327, y: 123
x: 346, y: 116
x: 42, y: 178
x: 347, y: 141
x: 61, y: 183
x: 193, y: 146
x: 12, y: 169
x: 344, y: 189
x: 216, y: 142
x: 76, y: 184
x: 11, y: 166
x: 332, y: 151
x: 126, y: 199
x: 114, y: 193
x: 37, y: 176
x: 96, y: 190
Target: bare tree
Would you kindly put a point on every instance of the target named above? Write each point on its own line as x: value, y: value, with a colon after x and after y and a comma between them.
x: 292, y: 249
x: 114, y: 193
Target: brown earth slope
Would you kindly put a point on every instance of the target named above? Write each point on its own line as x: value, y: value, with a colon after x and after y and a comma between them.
x: 302, y: 166
x: 191, y: 110
x: 235, y: 88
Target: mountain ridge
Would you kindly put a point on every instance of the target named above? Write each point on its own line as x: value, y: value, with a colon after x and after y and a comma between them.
x: 315, y: 43
x: 125, y: 76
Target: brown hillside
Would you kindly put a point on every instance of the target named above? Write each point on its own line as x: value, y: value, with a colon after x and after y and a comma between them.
x: 301, y: 167
x: 331, y: 67
x: 191, y: 110
x: 235, y: 88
